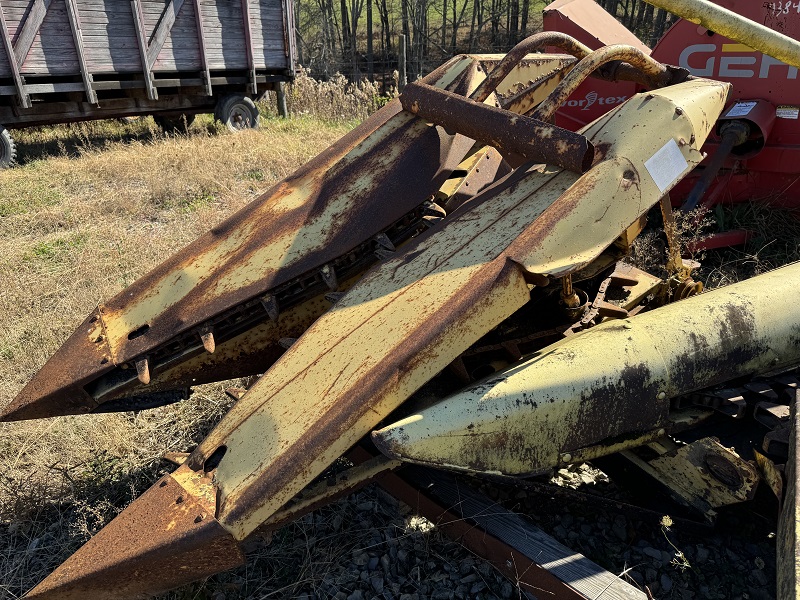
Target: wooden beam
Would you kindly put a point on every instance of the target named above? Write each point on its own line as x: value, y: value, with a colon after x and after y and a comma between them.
x: 77, y: 36
x: 163, y: 28
x: 29, y: 29
x: 19, y: 84
x: 138, y: 23
x: 201, y: 38
x: 248, y: 42
x: 289, y: 35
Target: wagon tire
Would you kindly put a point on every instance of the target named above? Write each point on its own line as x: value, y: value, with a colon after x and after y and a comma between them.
x: 237, y: 112
x: 174, y: 124
x: 8, y: 149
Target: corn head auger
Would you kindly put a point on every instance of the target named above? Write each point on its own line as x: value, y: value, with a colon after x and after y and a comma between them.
x: 454, y: 233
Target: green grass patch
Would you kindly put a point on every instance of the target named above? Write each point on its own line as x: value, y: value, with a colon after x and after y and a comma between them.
x: 23, y: 192
x: 55, y: 249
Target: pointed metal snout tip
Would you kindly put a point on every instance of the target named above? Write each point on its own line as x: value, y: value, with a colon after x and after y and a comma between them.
x: 166, y: 538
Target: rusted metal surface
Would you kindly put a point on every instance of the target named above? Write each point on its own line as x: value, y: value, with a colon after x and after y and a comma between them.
x: 383, y: 325
x: 248, y: 287
x: 608, y: 382
x: 326, y: 491
x: 397, y: 326
x: 166, y: 538
x: 789, y: 521
x: 472, y: 175
x: 363, y: 184
x: 703, y: 475
x: 640, y: 67
x: 509, y: 133
x: 527, y: 46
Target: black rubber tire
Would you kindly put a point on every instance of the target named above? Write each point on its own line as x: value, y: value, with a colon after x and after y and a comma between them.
x: 8, y: 149
x: 174, y: 124
x: 237, y: 112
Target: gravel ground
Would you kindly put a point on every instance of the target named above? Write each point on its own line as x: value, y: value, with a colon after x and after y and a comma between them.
x: 388, y: 552
x: 369, y: 545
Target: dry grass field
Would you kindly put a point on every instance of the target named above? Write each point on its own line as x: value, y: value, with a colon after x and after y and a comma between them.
x: 75, y: 228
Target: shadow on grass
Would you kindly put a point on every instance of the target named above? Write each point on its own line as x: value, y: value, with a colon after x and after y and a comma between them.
x: 73, y: 139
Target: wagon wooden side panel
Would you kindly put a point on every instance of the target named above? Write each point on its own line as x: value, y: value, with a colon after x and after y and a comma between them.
x: 68, y: 60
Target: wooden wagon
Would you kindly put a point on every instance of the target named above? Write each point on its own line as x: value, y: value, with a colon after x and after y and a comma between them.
x: 73, y: 60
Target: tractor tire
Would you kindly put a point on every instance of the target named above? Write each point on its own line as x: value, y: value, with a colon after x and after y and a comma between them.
x: 8, y: 149
x: 237, y: 112
x: 174, y: 124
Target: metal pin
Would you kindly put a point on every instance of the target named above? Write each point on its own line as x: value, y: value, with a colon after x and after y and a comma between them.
x: 143, y: 370
x: 329, y: 277
x: 287, y: 342
x: 207, y: 336
x: 270, y: 304
x: 384, y: 242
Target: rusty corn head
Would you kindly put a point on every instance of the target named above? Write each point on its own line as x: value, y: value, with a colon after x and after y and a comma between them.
x: 394, y: 328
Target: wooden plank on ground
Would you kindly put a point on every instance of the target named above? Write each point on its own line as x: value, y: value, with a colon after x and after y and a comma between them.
x: 29, y: 28
x: 24, y: 98
x: 163, y: 29
x: 138, y: 20
x: 248, y: 42
x: 578, y: 572
x: 77, y: 35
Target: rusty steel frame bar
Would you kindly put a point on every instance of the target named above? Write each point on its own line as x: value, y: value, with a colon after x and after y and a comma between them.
x: 508, y: 132
x: 530, y: 44
x: 640, y: 68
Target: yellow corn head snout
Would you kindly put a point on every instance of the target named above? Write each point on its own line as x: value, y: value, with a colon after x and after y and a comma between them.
x: 610, y: 382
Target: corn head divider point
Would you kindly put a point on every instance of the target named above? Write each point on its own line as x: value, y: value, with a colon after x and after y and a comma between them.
x: 372, y: 269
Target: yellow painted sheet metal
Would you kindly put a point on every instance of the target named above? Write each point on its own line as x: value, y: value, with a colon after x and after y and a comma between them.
x: 412, y: 315
x: 610, y: 381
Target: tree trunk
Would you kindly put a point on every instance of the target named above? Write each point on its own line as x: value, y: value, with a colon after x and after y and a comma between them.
x: 495, y: 19
x: 472, y: 24
x: 444, y: 23
x: 513, y: 30
x: 386, y: 32
x: 526, y: 5
x: 355, y: 14
x: 346, y: 37
x: 370, y: 67
x: 659, y: 28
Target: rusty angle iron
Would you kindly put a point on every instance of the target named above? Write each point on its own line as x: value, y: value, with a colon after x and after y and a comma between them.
x: 398, y: 326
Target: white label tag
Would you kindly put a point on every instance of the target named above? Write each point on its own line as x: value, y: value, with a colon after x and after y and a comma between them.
x: 740, y: 109
x: 787, y: 112
x: 666, y: 165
